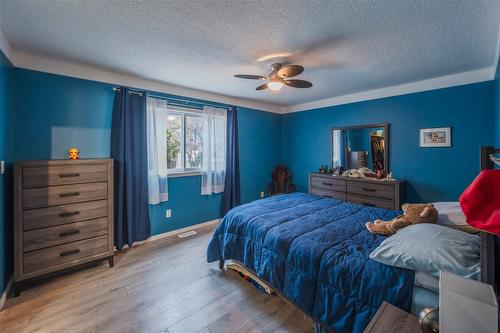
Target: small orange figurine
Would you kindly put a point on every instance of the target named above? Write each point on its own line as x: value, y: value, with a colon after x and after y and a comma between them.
x: 73, y: 153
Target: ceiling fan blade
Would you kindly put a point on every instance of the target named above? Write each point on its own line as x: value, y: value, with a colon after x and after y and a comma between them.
x: 290, y: 70
x: 262, y: 87
x: 298, y: 83
x: 250, y: 77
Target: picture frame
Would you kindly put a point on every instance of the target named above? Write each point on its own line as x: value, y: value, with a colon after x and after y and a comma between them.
x: 435, y: 137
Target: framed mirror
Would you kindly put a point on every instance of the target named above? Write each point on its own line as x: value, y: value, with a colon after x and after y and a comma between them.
x: 354, y: 147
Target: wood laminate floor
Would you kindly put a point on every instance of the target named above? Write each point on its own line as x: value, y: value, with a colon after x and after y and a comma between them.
x: 160, y: 286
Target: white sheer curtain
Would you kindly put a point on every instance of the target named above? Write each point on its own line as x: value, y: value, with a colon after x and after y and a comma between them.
x: 214, y: 150
x: 337, y: 137
x: 157, y: 150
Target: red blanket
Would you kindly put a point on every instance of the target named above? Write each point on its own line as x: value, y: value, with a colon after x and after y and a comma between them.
x: 481, y: 202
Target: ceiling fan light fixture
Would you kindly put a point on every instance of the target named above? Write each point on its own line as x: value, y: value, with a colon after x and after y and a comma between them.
x: 275, y: 85
x: 279, y: 77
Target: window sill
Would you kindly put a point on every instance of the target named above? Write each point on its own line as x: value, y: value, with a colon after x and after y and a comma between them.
x: 184, y: 174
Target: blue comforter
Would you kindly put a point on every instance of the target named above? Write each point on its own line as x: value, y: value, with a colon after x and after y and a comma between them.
x: 316, y: 252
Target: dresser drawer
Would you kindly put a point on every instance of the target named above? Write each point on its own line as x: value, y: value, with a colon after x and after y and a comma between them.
x: 328, y: 183
x: 329, y: 194
x: 371, y: 189
x: 64, y: 175
x: 58, y: 215
x: 46, y: 237
x: 60, y: 195
x: 60, y: 256
x: 371, y: 201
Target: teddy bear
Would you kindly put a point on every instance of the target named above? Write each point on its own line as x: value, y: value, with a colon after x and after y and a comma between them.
x: 413, y: 214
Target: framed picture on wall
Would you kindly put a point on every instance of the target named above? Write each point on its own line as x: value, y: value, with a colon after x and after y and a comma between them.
x: 435, y: 137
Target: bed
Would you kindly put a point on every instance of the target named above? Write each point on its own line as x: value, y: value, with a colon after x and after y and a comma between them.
x: 315, y: 252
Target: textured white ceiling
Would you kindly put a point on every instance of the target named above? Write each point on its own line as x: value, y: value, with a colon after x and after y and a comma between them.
x: 345, y: 46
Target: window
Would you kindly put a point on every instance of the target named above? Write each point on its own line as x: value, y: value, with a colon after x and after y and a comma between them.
x: 181, y: 141
x: 189, y: 140
x: 184, y: 140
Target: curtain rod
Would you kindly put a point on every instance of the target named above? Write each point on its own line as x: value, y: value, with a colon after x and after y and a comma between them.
x: 178, y: 101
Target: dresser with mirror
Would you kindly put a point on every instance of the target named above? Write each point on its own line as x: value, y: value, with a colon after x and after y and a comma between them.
x: 365, y: 148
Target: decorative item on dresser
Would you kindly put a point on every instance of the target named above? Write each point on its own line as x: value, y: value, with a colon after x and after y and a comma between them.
x: 366, y: 191
x: 63, y: 216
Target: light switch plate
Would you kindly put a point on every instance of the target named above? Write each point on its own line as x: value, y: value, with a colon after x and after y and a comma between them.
x: 168, y: 213
x: 2, y: 167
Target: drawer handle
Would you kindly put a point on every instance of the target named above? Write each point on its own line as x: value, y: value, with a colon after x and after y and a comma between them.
x: 69, y: 194
x: 69, y: 233
x: 327, y: 196
x: 368, y: 204
x: 369, y: 189
x: 66, y: 175
x: 68, y: 214
x: 68, y: 253
x: 327, y: 184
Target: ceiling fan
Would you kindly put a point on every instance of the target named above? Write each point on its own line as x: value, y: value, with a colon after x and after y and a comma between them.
x: 279, y: 77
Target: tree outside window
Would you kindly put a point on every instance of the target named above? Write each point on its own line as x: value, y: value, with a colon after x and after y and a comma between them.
x: 174, y: 142
x: 185, y: 141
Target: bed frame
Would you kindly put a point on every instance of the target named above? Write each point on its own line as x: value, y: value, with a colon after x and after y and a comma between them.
x: 490, y: 244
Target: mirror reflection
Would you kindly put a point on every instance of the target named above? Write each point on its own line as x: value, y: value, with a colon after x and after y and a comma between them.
x: 360, y: 146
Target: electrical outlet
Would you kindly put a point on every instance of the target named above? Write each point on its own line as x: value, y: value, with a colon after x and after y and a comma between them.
x: 168, y: 213
x: 2, y: 167
x: 262, y: 194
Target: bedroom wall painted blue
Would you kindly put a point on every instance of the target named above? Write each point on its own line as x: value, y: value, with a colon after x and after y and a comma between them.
x: 6, y: 70
x: 433, y: 173
x: 55, y: 112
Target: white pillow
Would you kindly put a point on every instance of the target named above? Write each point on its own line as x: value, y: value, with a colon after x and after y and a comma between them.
x: 431, y: 248
x: 451, y: 215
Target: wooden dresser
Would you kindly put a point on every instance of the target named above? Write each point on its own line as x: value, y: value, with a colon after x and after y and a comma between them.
x: 365, y: 191
x: 63, y: 215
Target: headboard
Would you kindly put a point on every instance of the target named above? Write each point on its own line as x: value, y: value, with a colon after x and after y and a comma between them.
x: 490, y: 244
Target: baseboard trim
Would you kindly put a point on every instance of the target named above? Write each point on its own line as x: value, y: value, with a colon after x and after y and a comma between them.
x: 183, y: 230
x: 6, y: 292
x: 175, y: 232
